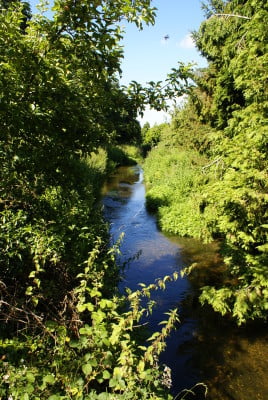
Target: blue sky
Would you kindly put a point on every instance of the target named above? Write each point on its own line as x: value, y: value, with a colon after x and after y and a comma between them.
x: 148, y: 56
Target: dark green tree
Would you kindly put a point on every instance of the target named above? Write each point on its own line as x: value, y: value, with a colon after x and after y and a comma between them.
x: 232, y: 94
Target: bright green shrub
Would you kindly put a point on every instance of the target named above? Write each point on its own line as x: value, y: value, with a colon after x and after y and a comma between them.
x: 183, y: 218
x: 152, y: 136
x: 173, y: 179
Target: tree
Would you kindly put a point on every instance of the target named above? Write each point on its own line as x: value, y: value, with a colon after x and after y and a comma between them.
x: 237, y: 200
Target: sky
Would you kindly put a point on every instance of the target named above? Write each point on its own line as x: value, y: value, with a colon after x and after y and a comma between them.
x: 149, y: 57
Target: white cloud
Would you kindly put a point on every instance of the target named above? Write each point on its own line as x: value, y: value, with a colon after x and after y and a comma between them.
x: 187, y: 42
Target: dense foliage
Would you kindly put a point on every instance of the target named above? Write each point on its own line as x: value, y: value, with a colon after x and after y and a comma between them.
x: 227, y: 126
x: 65, y: 332
x: 238, y: 54
x: 173, y: 175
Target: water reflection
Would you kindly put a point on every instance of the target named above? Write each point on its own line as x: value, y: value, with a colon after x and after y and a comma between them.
x: 205, y: 347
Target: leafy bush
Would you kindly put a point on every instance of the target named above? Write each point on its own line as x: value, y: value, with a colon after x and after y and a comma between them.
x: 95, y: 355
x: 123, y: 155
x: 174, y: 179
x: 152, y: 136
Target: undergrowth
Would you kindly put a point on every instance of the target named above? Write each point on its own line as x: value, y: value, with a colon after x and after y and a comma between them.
x: 174, y: 179
x: 66, y: 333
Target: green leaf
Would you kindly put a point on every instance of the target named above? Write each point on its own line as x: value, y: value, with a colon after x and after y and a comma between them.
x: 106, y: 374
x: 87, y: 369
x: 112, y: 382
x: 30, y: 377
x: 103, y: 396
x: 49, y: 379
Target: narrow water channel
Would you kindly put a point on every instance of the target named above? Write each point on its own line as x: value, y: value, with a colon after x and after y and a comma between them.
x: 205, y: 348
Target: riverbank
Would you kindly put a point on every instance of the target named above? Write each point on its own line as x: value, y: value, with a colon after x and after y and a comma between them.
x: 205, y: 347
x: 66, y: 332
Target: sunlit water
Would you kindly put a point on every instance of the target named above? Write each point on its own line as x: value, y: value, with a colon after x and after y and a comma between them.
x: 204, y: 347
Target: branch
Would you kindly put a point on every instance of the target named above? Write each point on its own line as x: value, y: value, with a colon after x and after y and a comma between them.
x: 212, y: 163
x: 230, y: 15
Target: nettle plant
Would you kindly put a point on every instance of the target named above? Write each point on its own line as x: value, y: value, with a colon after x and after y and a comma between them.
x: 97, y: 355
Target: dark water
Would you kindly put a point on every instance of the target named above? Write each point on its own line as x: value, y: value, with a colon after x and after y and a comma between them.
x: 231, y: 361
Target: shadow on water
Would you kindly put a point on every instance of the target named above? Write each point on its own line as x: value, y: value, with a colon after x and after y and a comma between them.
x: 205, y: 347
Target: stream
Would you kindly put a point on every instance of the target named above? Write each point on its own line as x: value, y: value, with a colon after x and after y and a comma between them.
x: 205, y: 347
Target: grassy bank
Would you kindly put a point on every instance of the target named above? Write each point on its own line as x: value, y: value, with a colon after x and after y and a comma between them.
x: 174, y: 181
